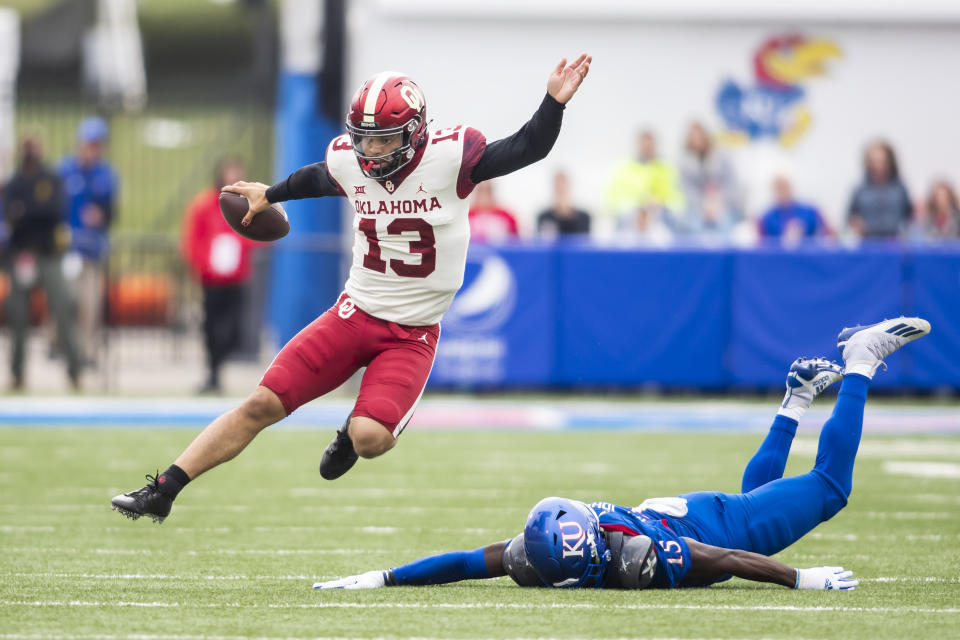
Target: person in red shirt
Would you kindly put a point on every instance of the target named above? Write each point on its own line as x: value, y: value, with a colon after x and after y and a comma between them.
x: 489, y: 221
x: 220, y: 259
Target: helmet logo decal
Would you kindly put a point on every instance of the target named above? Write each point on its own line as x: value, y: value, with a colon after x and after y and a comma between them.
x: 412, y: 97
x: 572, y: 541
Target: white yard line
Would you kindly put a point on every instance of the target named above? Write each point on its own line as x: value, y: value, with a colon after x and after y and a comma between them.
x: 911, y: 579
x: 872, y: 537
x: 158, y: 576
x: 922, y: 469
x: 476, y: 605
x: 181, y: 577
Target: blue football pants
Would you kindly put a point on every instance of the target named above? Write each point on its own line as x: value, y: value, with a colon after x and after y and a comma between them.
x: 773, y: 512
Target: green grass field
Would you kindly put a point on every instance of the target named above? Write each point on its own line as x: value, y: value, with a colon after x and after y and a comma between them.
x: 239, y: 553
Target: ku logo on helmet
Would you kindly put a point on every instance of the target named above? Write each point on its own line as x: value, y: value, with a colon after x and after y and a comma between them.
x: 573, y: 540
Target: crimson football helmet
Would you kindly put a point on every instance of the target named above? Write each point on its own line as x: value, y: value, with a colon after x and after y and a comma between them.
x: 388, y: 104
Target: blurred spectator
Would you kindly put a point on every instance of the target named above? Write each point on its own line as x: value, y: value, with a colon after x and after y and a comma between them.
x: 220, y: 259
x: 33, y: 207
x: 880, y: 206
x: 644, y: 180
x: 789, y: 219
x: 562, y: 218
x: 91, y: 187
x: 944, y: 210
x: 647, y: 227
x: 489, y: 221
x: 709, y: 185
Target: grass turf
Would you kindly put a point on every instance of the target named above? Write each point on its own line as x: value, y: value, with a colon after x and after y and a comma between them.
x: 243, y: 545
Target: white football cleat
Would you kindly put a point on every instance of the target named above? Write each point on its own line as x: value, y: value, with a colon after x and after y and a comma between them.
x: 808, y: 377
x: 864, y: 348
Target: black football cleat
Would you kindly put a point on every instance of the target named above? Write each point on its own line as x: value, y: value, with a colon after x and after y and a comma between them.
x: 148, y: 501
x: 339, y: 456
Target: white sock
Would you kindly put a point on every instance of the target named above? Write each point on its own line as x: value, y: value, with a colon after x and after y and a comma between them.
x: 864, y: 368
x: 796, y: 405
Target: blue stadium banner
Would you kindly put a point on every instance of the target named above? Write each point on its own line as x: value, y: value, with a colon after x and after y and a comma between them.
x: 787, y: 304
x: 643, y: 318
x: 500, y: 329
x: 933, y: 279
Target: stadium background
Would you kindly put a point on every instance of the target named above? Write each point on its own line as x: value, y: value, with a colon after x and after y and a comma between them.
x: 562, y: 364
x: 271, y: 89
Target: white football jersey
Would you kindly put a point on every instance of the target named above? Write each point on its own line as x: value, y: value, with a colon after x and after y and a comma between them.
x: 410, y: 240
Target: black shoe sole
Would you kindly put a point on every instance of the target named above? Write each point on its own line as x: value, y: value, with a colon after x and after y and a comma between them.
x: 133, y: 515
x: 337, y: 473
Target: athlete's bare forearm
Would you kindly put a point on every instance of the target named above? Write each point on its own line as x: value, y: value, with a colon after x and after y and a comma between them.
x: 708, y: 562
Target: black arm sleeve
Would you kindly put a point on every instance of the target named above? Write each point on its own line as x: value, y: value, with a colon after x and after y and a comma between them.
x: 311, y: 181
x: 531, y: 143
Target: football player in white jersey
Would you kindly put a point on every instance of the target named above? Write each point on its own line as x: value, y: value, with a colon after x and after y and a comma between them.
x: 409, y: 189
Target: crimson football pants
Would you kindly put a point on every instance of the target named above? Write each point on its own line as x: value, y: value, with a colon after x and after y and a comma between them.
x: 333, y: 347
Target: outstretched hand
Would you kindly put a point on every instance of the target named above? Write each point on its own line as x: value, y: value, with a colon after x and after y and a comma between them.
x: 368, y: 580
x: 826, y: 579
x: 565, y: 79
x: 256, y: 195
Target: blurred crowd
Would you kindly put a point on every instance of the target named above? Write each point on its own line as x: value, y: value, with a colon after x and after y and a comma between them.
x: 56, y: 221
x: 657, y: 203
x: 57, y: 215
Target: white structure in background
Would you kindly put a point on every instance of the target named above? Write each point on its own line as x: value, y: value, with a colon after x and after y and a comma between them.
x: 301, y: 22
x: 113, y: 55
x: 660, y: 63
x: 9, y: 64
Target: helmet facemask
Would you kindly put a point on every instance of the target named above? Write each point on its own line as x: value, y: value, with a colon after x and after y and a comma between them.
x: 387, y: 164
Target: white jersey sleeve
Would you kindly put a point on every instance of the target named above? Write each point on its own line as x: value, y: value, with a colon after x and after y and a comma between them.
x: 411, y: 237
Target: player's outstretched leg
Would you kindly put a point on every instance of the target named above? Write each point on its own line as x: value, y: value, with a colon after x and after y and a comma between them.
x: 773, y: 516
x: 807, y: 378
x: 863, y: 349
x: 220, y: 441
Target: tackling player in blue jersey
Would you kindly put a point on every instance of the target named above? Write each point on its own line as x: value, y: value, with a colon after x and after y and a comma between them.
x: 695, y: 539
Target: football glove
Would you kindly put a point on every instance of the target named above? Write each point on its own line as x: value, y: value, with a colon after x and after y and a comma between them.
x: 826, y: 579
x: 368, y: 580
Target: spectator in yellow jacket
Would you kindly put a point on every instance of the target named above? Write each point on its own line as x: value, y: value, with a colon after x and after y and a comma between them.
x: 642, y: 182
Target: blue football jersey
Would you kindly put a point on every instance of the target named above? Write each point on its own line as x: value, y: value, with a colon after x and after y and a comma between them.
x: 673, y: 554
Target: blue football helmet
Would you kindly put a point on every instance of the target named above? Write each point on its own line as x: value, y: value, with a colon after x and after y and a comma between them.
x: 563, y: 543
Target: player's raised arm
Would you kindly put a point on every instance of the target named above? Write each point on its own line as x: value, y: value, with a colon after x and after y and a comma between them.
x: 709, y: 563
x: 484, y: 562
x: 536, y: 137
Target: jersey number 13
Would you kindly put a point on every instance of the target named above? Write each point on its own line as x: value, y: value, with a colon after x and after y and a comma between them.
x: 424, y: 246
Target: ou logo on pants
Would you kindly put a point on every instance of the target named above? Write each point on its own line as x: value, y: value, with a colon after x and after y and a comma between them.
x: 346, y: 308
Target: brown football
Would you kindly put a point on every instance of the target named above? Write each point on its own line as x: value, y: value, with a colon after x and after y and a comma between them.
x: 268, y: 225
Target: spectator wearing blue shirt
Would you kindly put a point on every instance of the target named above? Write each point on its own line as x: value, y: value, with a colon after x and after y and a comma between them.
x: 91, y: 190
x: 789, y: 219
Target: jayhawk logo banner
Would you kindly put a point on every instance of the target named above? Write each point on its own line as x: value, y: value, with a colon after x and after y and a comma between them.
x: 774, y: 106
